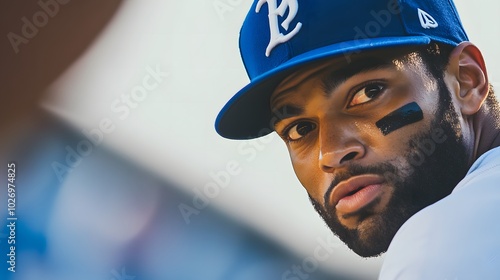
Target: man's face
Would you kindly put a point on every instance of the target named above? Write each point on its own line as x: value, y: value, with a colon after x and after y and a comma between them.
x: 372, y: 142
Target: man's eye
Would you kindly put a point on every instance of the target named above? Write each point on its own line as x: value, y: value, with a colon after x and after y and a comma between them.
x: 366, y: 94
x: 299, y: 130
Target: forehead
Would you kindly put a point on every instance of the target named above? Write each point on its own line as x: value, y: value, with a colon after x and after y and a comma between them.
x: 342, y: 68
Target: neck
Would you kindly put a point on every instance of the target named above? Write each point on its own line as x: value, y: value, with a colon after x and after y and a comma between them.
x: 487, y: 134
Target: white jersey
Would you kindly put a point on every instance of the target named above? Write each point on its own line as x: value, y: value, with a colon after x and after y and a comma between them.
x: 457, y: 237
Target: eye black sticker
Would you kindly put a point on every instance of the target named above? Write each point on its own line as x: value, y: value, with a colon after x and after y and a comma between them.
x: 406, y: 115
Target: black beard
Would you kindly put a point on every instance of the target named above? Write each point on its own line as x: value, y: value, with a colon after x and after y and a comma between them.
x: 427, y: 181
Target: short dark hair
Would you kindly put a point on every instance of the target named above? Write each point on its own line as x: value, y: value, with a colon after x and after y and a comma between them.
x: 436, y: 56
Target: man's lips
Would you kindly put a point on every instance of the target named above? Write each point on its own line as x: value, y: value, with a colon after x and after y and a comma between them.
x: 353, y: 194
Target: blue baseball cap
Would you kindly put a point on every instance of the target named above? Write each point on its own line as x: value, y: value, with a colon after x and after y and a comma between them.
x: 279, y: 37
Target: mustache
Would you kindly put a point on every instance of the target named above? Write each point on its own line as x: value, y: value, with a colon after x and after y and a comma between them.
x: 386, y: 170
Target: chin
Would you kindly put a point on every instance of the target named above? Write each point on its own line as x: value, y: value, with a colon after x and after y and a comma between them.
x: 369, y: 239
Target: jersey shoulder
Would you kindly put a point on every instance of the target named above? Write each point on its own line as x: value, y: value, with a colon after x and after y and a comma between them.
x: 458, y: 237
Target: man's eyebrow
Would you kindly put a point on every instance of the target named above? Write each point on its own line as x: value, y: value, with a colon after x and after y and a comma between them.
x: 329, y: 84
x: 284, y: 112
x: 333, y: 80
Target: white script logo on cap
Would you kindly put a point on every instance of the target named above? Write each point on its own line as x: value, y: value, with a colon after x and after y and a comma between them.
x: 276, y: 11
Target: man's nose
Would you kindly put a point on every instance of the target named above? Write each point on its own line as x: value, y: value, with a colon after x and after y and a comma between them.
x: 338, y: 147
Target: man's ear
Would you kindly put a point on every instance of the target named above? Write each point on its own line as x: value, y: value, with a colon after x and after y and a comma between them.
x: 468, y: 68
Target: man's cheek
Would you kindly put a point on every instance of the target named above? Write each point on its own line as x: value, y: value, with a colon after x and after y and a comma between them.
x: 311, y: 180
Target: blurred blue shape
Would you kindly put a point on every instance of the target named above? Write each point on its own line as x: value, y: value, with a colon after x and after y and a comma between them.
x: 108, y: 219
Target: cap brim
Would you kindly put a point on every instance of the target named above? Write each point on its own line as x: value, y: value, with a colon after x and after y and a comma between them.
x: 247, y: 114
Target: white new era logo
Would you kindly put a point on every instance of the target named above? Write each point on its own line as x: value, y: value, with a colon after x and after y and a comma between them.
x: 276, y: 11
x: 426, y: 20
